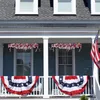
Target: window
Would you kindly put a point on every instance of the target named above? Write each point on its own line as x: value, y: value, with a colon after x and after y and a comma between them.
x: 64, y: 6
x: 65, y: 62
x: 23, y: 62
x: 26, y: 7
x: 95, y: 7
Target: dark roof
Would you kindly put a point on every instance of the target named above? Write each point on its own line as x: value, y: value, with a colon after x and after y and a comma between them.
x: 7, y: 12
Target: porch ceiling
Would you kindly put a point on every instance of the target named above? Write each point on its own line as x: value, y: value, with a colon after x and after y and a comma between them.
x: 51, y: 40
x: 16, y: 40
x: 70, y: 40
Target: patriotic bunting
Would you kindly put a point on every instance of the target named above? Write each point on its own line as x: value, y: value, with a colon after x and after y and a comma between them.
x: 67, y: 46
x: 71, y: 85
x: 20, y: 85
x: 24, y: 46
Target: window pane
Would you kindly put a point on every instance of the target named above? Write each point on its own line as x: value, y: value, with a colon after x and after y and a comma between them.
x: 23, y: 62
x: 62, y: 53
x: 97, y: 6
x: 65, y: 62
x: 26, y: 5
x: 69, y: 53
x: 69, y: 60
x: 19, y: 70
x: 27, y: 58
x: 23, y: 70
x: 68, y: 70
x: 64, y: 6
x: 61, y: 70
x: 65, y: 70
x: 27, y: 70
x: 20, y: 61
x: 62, y: 60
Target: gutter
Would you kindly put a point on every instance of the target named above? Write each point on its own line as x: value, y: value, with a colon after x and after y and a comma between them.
x: 53, y: 22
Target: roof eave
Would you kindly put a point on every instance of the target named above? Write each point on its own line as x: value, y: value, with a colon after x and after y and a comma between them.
x: 53, y: 22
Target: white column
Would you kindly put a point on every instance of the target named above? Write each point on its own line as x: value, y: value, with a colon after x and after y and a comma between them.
x: 45, y: 66
x: 1, y: 59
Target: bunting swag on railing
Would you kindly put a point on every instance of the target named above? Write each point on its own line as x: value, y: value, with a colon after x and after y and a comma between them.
x: 95, y: 55
x: 71, y: 85
x: 21, y: 85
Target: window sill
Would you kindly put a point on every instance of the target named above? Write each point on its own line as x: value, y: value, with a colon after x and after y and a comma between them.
x: 64, y: 13
x: 95, y: 13
x: 26, y: 13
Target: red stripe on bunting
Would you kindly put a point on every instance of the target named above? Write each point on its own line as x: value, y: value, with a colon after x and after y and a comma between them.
x: 70, y: 77
x: 22, y: 92
x: 75, y: 92
x: 19, y: 77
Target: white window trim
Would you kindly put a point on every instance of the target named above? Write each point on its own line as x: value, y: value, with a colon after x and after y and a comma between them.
x: 17, y: 8
x: 55, y: 8
x: 73, y: 63
x: 32, y: 59
x: 93, y: 12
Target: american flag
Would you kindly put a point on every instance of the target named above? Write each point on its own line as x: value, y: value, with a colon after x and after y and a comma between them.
x: 95, y: 55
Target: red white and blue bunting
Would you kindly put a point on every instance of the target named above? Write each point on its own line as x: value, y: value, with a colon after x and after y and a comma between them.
x: 67, y: 46
x: 71, y: 85
x: 21, y: 85
x: 24, y: 46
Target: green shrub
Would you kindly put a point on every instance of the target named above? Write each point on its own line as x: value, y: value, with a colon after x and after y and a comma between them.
x: 83, y: 97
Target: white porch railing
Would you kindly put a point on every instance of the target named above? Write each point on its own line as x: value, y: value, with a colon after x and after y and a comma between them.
x: 52, y: 89
x: 38, y: 91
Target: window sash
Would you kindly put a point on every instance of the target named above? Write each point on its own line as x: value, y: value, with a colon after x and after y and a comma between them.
x: 27, y: 68
x: 61, y: 68
x: 21, y: 7
x: 63, y: 7
x: 95, y: 7
x: 26, y: 5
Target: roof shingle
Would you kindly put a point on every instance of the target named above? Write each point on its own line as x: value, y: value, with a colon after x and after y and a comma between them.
x: 7, y: 12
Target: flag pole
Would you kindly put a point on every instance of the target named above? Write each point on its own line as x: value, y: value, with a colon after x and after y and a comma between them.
x: 98, y: 36
x: 98, y: 31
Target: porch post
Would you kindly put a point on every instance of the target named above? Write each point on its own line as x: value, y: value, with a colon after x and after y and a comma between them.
x: 45, y: 66
x: 1, y: 59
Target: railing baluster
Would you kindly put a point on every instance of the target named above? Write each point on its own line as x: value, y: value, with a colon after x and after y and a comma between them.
x: 42, y: 82
x: 53, y: 87
x: 0, y: 87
